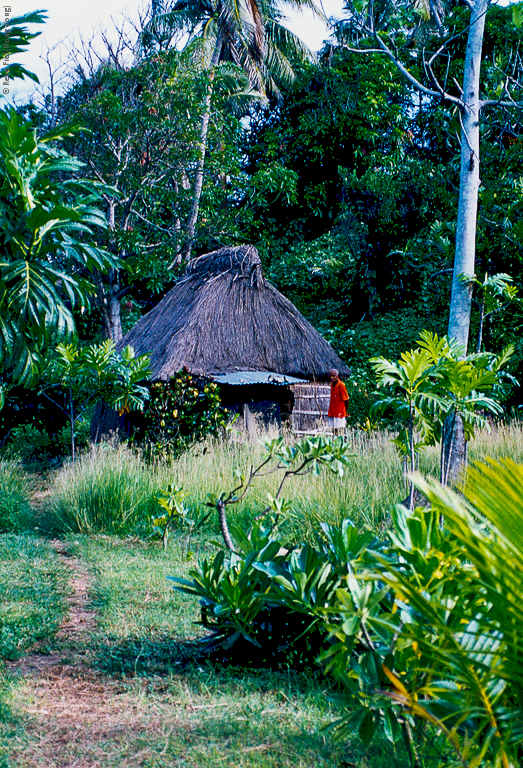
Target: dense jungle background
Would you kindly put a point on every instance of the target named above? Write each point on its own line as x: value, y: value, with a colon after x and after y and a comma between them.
x: 340, y: 172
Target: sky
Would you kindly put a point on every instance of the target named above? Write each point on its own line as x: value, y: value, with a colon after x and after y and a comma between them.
x: 71, y: 21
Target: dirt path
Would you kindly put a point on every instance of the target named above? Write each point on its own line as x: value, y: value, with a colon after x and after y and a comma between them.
x: 79, y: 621
x: 73, y: 716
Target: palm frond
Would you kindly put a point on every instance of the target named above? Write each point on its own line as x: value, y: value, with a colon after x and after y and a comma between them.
x: 287, y: 42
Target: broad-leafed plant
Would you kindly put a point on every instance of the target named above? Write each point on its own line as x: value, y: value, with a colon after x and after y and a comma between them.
x: 467, y: 624
x: 76, y: 377
x: 47, y: 218
x: 431, y: 387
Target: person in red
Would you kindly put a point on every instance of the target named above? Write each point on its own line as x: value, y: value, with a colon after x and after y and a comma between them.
x: 337, y: 406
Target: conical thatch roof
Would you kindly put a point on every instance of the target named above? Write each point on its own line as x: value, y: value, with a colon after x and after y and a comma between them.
x: 223, y: 316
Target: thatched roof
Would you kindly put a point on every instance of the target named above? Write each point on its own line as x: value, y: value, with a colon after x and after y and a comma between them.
x: 223, y: 316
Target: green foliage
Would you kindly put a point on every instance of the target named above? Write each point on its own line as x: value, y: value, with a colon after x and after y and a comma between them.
x: 15, y: 507
x: 76, y: 376
x: 435, y: 381
x: 367, y: 183
x: 176, y: 514
x: 317, y: 276
x: 424, y: 630
x: 152, y: 109
x: 37, y: 449
x: 233, y: 587
x: 28, y: 442
x: 47, y: 220
x: 494, y: 294
x: 15, y: 39
x: 465, y: 616
x: 107, y: 490
x: 181, y: 412
x: 32, y: 582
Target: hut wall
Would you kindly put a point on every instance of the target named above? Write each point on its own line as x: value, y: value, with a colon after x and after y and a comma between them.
x: 262, y: 406
x: 311, y: 404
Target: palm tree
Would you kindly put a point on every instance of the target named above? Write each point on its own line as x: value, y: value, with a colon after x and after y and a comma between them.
x: 247, y: 33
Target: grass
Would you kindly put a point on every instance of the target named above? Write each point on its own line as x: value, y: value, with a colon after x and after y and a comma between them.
x: 133, y: 690
x: 139, y: 615
x: 108, y: 490
x: 15, y: 494
x: 136, y: 694
x: 202, y: 719
x: 501, y: 441
x: 32, y: 585
x: 112, y: 490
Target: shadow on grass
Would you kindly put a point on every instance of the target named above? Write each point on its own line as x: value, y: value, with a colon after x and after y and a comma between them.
x: 161, y: 655
x: 144, y: 657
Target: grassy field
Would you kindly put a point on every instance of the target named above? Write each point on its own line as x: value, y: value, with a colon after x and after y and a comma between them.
x: 100, y: 659
x: 131, y: 689
x: 114, y: 490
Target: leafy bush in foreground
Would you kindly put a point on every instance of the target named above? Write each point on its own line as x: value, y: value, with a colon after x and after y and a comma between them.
x: 423, y: 633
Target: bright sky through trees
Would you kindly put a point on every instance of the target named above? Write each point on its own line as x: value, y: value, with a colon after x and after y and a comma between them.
x: 69, y: 23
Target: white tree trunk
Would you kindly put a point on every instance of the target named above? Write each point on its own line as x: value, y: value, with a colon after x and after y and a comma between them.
x: 453, y: 446
x: 464, y: 261
x: 200, y: 166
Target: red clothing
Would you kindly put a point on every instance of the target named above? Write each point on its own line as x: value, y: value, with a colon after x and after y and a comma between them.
x: 339, y: 397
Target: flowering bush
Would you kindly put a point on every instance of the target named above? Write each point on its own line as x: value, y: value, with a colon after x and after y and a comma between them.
x: 181, y: 412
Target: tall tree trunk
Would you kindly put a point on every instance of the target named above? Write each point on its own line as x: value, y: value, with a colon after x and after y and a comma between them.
x: 453, y: 449
x: 110, y: 307
x: 453, y: 445
x: 110, y: 300
x: 464, y: 260
x: 200, y: 166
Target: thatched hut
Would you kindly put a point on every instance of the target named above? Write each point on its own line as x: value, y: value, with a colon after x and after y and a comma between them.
x: 224, y: 321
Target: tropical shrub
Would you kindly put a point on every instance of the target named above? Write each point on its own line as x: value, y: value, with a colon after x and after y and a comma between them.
x: 468, y: 629
x: 427, y: 632
x: 175, y: 514
x: 76, y: 377
x: 233, y: 586
x: 422, y: 632
x: 29, y: 443
x: 46, y: 222
x: 181, y: 412
x: 37, y: 449
x: 432, y: 387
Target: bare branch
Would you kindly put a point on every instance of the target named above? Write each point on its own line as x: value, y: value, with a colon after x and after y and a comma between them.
x: 386, y: 51
x: 501, y: 103
x: 440, y: 272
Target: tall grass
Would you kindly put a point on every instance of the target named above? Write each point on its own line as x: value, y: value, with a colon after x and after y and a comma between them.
x: 111, y: 489
x: 498, y: 442
x: 15, y: 494
x: 108, y: 490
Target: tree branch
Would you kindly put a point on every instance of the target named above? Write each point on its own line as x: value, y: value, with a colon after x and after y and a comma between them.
x: 386, y: 51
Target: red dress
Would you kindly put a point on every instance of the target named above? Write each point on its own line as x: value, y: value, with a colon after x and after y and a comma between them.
x: 339, y: 397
